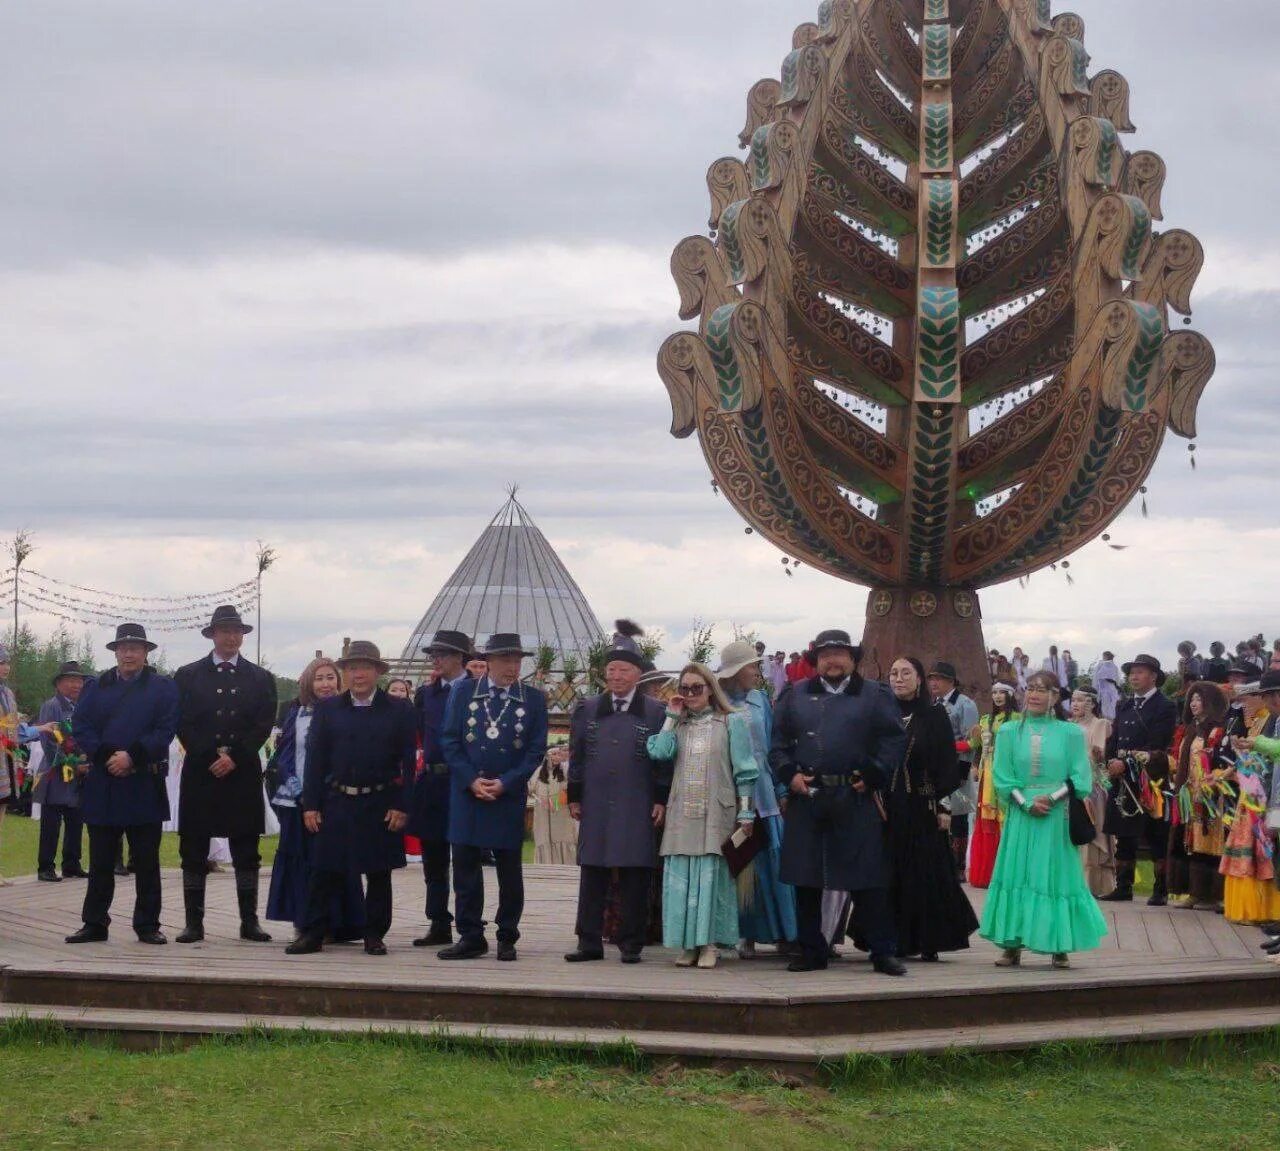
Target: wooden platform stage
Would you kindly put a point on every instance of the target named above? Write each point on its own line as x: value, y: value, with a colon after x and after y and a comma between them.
x: 1162, y: 975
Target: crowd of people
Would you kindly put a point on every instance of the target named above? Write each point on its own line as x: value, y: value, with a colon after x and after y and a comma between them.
x: 792, y: 803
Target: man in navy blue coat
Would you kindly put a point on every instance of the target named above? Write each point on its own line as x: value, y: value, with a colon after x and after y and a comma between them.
x: 123, y: 723
x: 361, y: 753
x: 429, y: 816
x: 495, y: 736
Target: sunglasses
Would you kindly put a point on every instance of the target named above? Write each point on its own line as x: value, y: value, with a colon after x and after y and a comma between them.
x: 692, y: 688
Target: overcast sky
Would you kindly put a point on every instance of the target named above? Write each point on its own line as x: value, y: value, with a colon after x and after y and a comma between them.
x: 333, y: 274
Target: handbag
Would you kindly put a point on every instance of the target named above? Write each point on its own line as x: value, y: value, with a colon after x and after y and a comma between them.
x: 739, y: 850
x: 1079, y: 824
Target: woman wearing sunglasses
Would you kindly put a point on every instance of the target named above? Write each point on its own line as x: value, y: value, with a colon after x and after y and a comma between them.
x: 711, y: 793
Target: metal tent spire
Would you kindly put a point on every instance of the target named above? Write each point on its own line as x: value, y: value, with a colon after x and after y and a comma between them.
x: 512, y: 581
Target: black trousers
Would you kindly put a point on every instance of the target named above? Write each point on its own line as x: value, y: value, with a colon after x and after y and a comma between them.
x: 55, y: 818
x: 872, y: 921
x: 634, y: 884
x: 435, y: 871
x: 1155, y: 834
x: 144, y: 852
x: 468, y: 892
x: 327, y: 886
x: 193, y: 848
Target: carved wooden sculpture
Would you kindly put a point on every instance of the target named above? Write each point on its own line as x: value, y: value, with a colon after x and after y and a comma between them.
x: 933, y: 348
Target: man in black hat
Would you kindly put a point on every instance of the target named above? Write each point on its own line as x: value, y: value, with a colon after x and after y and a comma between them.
x: 944, y: 685
x: 836, y: 739
x: 495, y: 736
x: 1139, y: 806
x: 57, y: 790
x: 228, y: 707
x: 618, y: 795
x: 123, y: 724
x: 429, y: 816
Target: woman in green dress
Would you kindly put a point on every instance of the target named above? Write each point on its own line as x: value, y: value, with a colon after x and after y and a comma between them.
x: 711, y: 793
x: 1039, y: 899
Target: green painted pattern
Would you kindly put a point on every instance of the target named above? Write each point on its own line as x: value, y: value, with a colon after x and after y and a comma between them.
x: 728, y: 373
x: 729, y: 243
x: 936, y: 43
x: 936, y: 10
x: 825, y: 11
x: 1108, y: 147
x: 938, y: 343
x: 758, y: 162
x: 790, y: 76
x: 937, y: 136
x: 1131, y: 268
x: 1079, y: 65
x: 1145, y: 354
x: 939, y: 222
x: 1044, y: 11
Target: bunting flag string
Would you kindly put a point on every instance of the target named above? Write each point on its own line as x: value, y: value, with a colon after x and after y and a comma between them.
x: 137, y: 607
x: 212, y: 598
x: 92, y: 618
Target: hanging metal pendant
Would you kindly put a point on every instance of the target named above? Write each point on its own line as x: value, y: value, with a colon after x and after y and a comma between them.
x: 519, y: 744
x: 471, y: 737
x: 491, y: 732
x: 471, y: 722
x: 473, y: 706
x: 520, y: 713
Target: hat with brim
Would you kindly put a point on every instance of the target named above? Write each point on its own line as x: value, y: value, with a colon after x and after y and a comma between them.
x: 1269, y: 682
x: 131, y: 633
x: 1239, y: 667
x: 1151, y: 664
x: 944, y: 670
x: 70, y: 670
x: 735, y: 657
x: 225, y: 616
x: 625, y: 655
x: 504, y: 643
x: 656, y: 675
x: 833, y: 638
x: 449, y: 643
x: 363, y: 651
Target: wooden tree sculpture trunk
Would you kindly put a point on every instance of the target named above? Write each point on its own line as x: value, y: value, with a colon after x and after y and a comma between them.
x: 933, y: 348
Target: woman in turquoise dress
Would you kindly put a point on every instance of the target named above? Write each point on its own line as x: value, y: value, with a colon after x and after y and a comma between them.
x: 711, y: 794
x: 1039, y: 900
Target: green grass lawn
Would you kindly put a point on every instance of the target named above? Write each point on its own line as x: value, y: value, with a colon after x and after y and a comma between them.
x: 278, y: 1094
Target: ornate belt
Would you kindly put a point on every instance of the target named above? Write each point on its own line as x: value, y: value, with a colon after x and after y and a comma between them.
x: 373, y: 789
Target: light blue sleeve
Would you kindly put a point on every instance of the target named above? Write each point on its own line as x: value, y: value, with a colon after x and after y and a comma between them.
x: 742, y: 755
x: 663, y: 745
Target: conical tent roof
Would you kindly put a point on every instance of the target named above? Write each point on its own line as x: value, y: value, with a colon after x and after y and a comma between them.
x: 512, y: 581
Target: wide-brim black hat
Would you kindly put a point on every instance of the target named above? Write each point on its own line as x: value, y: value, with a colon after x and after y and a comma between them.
x: 945, y: 670
x: 223, y: 617
x: 363, y: 651
x: 1150, y: 663
x: 626, y: 655
x: 131, y: 633
x: 1239, y: 667
x: 504, y: 643
x: 834, y: 637
x: 68, y: 669
x: 1269, y: 682
x: 455, y: 642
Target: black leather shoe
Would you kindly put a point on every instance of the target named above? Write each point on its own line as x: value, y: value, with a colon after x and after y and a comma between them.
x: 89, y: 933
x: 121, y: 870
x: 1272, y: 948
x: 800, y: 963
x: 888, y: 965
x: 578, y: 956
x: 440, y: 935
x: 74, y: 873
x: 154, y: 938
x: 464, y: 950
x: 1271, y: 927
x: 48, y: 875
x: 192, y: 933
x: 374, y: 947
x: 308, y: 943
x: 628, y: 957
x: 1120, y: 895
x: 251, y: 932
x: 1157, y: 900
x: 507, y: 952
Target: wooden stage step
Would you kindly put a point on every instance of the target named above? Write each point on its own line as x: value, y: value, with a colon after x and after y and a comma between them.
x: 1161, y: 974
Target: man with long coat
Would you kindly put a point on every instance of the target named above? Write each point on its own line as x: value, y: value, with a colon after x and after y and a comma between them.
x: 228, y: 707
x: 429, y: 816
x: 618, y: 795
x: 836, y: 739
x: 1139, y: 806
x: 495, y: 735
x: 123, y: 724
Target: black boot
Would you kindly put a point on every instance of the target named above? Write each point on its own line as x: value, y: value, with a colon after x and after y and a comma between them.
x: 193, y: 905
x: 247, y: 897
x: 1124, y: 884
x: 1160, y: 889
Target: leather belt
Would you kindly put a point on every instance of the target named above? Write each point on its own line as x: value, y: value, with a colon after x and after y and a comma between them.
x: 832, y: 781
x: 373, y: 789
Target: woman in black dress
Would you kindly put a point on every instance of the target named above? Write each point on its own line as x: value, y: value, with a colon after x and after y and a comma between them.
x: 932, y: 911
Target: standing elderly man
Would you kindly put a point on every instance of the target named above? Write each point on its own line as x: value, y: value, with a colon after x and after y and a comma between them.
x: 963, y: 714
x: 618, y: 795
x: 361, y: 753
x: 1138, y: 763
x: 57, y: 790
x: 429, y: 816
x: 227, y: 711
x: 123, y: 724
x: 836, y: 739
x: 495, y: 735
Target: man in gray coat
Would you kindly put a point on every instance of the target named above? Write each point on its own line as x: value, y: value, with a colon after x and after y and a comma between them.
x: 618, y: 795
x: 836, y: 739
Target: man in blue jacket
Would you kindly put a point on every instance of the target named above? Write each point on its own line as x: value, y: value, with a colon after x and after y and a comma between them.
x: 123, y: 724
x: 495, y: 735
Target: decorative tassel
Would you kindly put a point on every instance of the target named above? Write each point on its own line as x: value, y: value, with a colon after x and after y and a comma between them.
x: 1144, y: 508
x: 746, y: 887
